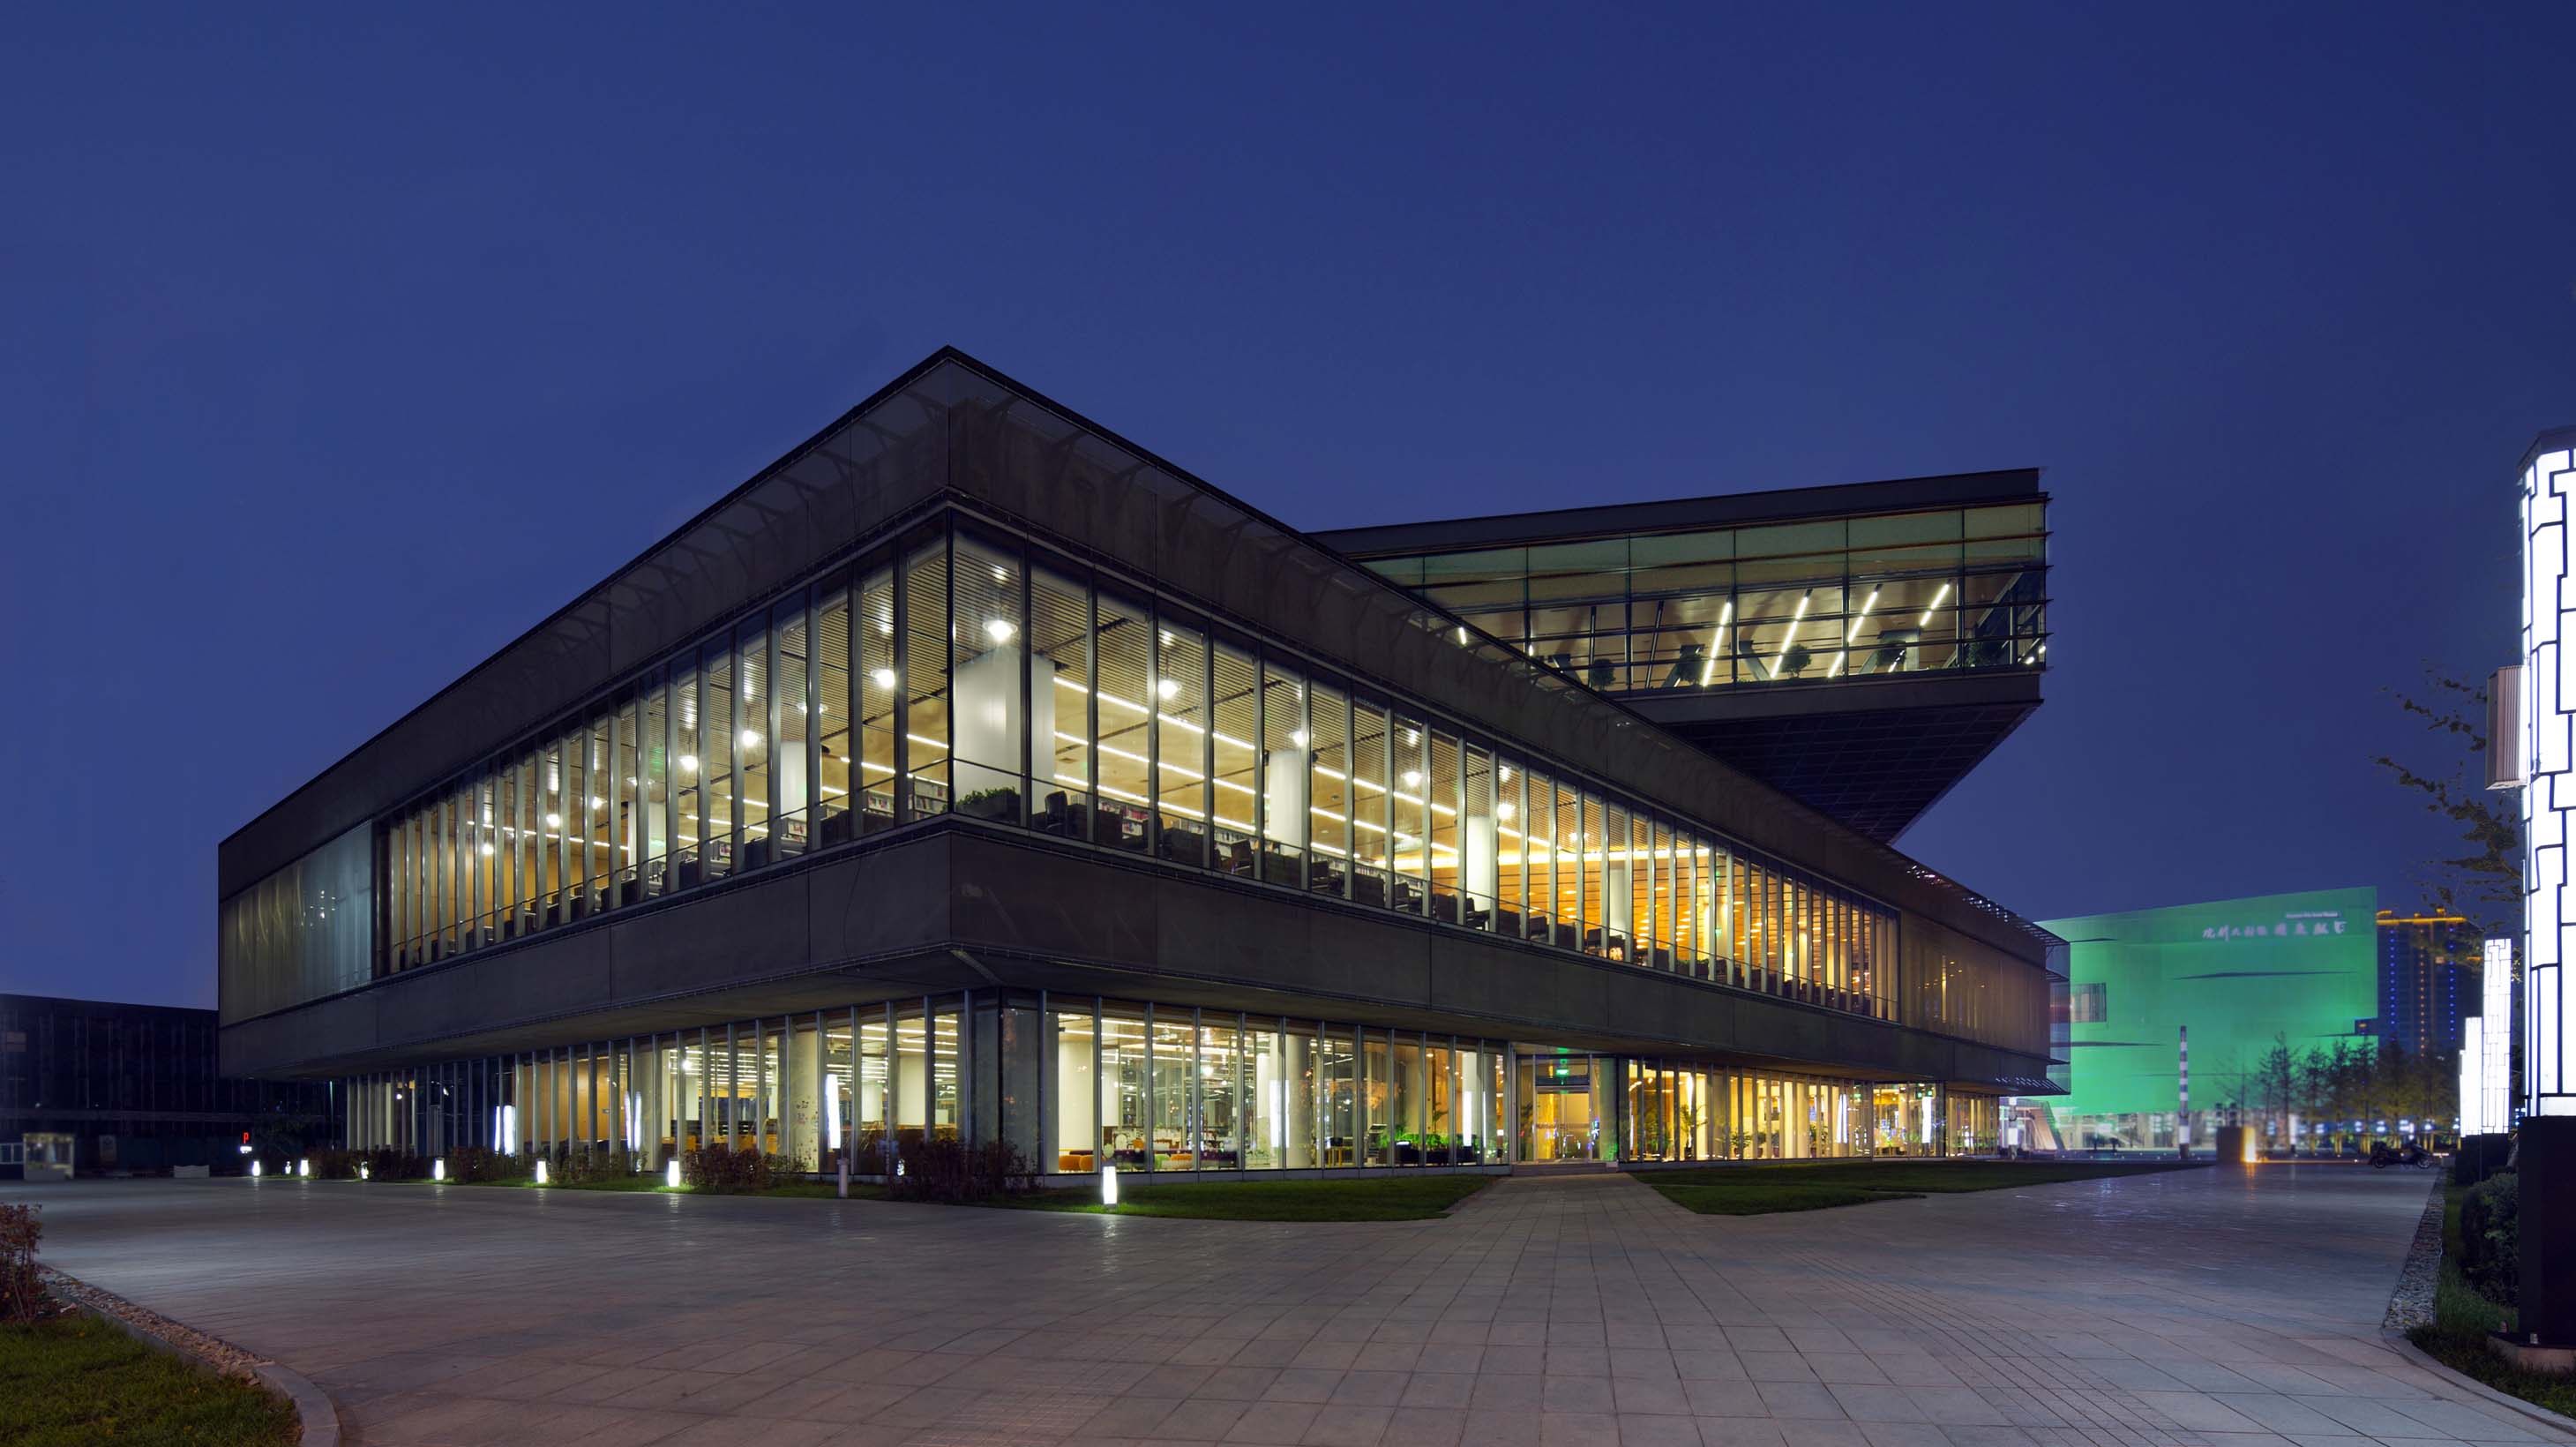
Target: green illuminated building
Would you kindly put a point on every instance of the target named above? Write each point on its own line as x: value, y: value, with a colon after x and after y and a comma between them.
x: 2240, y: 974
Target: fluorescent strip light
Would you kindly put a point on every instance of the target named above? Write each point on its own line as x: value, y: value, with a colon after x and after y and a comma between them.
x: 1926, y: 620
x: 1717, y: 643
x: 1786, y: 638
x: 1852, y: 632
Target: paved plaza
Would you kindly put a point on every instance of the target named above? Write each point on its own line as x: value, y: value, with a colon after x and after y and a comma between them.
x: 2196, y: 1308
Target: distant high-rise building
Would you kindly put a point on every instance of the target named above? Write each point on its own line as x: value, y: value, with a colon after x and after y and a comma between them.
x: 2428, y: 978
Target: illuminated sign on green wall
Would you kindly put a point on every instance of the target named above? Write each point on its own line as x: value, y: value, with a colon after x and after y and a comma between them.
x: 2239, y: 972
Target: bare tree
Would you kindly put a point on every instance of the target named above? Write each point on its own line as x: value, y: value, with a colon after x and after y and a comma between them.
x: 2483, y: 884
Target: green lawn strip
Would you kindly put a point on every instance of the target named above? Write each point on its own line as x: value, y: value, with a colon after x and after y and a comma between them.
x: 78, y: 1380
x: 1412, y: 1199
x: 2461, y: 1320
x: 859, y: 1190
x: 1757, y: 1197
x: 1756, y: 1190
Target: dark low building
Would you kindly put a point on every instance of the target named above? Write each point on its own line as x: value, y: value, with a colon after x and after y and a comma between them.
x: 132, y: 1089
x: 973, y: 772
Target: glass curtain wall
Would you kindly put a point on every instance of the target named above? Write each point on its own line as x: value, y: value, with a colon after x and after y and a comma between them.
x: 1075, y: 1083
x: 959, y: 671
x: 1759, y: 606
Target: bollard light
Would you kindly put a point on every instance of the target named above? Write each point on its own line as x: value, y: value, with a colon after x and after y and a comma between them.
x: 541, y: 1173
x: 1109, y: 1185
x: 438, y: 1169
x: 362, y: 1171
x: 304, y: 1167
x: 254, y: 1170
x: 671, y: 1174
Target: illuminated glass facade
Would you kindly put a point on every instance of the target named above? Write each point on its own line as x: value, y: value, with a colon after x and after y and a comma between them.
x: 991, y: 677
x: 2242, y: 975
x: 1786, y: 603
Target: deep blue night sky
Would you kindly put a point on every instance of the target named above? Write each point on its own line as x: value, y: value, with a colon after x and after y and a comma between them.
x: 340, y: 351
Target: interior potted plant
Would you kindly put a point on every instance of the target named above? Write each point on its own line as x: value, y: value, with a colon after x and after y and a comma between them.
x: 994, y: 803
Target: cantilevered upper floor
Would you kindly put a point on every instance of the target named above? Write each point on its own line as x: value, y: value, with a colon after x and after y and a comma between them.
x: 1860, y: 647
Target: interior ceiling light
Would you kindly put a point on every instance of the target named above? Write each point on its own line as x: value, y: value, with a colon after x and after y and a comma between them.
x: 884, y: 677
x: 688, y: 763
x: 554, y: 821
x: 1716, y: 647
x: 999, y: 630
x: 1785, y: 639
x: 1298, y: 738
x: 751, y: 738
x: 1167, y: 688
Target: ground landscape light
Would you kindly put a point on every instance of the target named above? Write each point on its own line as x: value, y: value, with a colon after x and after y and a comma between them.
x: 438, y: 1169
x: 541, y: 1173
x: 254, y: 1170
x: 1108, y: 1185
x: 671, y: 1174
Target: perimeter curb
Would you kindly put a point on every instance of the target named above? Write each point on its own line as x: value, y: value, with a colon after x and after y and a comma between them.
x: 317, y: 1421
x: 2533, y: 1410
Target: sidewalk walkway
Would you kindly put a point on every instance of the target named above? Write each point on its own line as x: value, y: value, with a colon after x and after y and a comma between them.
x: 2180, y: 1310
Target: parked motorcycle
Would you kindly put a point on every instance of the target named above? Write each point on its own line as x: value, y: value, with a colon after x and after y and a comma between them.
x: 2410, y: 1154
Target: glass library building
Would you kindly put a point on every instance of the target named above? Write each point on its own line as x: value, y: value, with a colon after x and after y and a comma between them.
x: 973, y: 772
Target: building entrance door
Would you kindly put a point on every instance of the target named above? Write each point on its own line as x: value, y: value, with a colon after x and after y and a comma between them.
x: 1564, y: 1107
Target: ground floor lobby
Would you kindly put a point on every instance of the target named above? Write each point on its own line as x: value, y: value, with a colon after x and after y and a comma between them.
x: 1077, y: 1083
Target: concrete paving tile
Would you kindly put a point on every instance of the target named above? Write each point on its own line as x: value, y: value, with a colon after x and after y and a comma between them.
x: 1502, y: 1429
x: 1917, y: 1369
x: 1508, y: 1393
x: 1817, y: 1432
x: 1578, y: 1394
x: 1718, y: 1398
x: 1348, y: 1426
x: 1657, y: 1431
x: 1956, y: 1406
x: 1327, y: 1355
x: 2468, y: 1423
x: 1578, y: 1429
x: 1664, y: 1397
x: 1438, y: 1356
x: 1843, y: 1367
x: 1425, y: 1427
x: 1764, y: 1366
x: 1904, y: 1434
x: 1799, y: 1399
x: 1243, y: 1384
x: 1708, y: 1364
x: 1274, y: 1422
x: 1371, y: 1389
x: 1303, y: 1384
x: 1565, y: 1361
x: 1972, y: 1434
x: 1740, y: 1432
x: 2275, y: 1413
x: 1201, y: 1420
x: 2198, y: 1412
x: 1454, y: 1391
x: 1874, y: 1402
